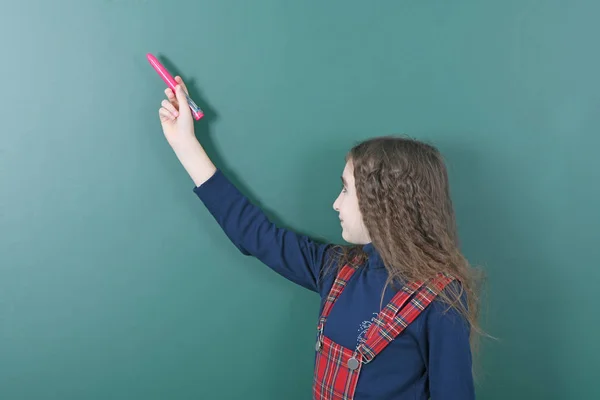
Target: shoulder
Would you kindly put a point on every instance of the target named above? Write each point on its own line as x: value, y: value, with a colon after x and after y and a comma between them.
x: 445, y: 314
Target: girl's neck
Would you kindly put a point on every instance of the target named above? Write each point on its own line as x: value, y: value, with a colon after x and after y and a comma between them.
x: 374, y: 260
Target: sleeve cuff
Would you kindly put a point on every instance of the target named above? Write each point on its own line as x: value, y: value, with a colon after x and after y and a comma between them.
x: 216, y: 191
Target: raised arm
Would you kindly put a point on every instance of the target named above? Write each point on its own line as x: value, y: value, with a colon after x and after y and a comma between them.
x: 296, y: 257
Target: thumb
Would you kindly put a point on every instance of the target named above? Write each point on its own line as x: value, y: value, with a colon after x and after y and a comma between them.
x: 184, y: 109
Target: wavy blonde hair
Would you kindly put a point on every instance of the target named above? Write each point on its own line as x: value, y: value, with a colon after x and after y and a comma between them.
x: 404, y: 197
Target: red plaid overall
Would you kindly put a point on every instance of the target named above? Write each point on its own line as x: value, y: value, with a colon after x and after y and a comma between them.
x: 337, y: 368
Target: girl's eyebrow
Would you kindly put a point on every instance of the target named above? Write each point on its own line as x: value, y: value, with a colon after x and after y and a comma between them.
x: 343, y: 181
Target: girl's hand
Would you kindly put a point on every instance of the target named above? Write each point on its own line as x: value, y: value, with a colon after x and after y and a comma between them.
x: 176, y: 116
x: 178, y: 127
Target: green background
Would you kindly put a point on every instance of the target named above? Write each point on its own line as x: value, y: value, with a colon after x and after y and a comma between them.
x: 115, y: 282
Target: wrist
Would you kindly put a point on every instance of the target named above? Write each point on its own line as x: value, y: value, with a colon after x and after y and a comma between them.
x: 185, y: 145
x: 194, y: 159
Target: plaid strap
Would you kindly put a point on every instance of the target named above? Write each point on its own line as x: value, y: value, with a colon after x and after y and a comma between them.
x: 338, y: 286
x: 398, y: 314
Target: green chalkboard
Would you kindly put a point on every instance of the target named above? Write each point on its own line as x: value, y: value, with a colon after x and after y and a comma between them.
x: 116, y: 283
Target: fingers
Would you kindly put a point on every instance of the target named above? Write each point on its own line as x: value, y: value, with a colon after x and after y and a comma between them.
x: 170, y: 107
x: 180, y: 81
x: 171, y: 96
x: 165, y: 115
x: 181, y: 98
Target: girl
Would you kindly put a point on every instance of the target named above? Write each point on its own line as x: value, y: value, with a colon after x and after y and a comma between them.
x: 398, y: 304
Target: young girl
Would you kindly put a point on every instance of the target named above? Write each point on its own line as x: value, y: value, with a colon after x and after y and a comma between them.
x: 398, y: 304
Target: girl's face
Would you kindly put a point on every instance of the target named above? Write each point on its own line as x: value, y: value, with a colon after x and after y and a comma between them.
x: 353, y: 228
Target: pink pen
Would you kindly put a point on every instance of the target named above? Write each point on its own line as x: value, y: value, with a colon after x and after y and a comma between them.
x: 166, y: 76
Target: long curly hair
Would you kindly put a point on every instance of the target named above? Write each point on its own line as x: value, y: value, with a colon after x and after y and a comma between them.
x: 404, y: 197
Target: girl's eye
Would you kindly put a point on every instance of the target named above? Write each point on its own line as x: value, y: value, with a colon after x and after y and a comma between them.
x: 343, y: 190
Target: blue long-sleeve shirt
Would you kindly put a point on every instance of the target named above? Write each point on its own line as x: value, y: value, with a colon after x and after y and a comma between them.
x: 430, y: 359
